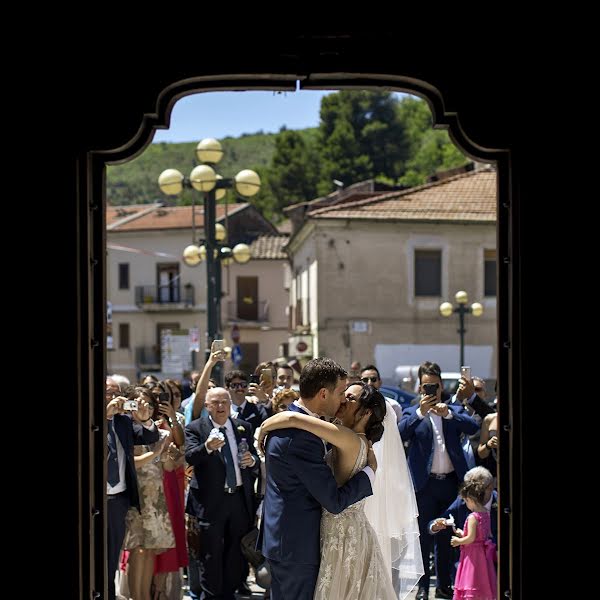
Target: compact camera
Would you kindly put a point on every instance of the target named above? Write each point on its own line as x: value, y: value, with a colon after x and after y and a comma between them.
x: 130, y: 405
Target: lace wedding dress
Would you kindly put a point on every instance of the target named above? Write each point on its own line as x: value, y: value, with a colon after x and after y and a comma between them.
x: 352, y: 566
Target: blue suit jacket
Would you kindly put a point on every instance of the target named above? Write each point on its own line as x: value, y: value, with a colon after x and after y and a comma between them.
x: 130, y: 434
x: 420, y: 435
x: 458, y: 509
x: 299, y: 485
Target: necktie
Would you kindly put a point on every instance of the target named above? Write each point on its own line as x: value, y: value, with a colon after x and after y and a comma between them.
x: 229, y: 466
x: 113, y: 459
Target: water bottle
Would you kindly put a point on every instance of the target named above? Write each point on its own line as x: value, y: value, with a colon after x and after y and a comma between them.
x: 242, y: 449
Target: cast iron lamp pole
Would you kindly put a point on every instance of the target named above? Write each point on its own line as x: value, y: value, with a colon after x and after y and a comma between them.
x: 476, y: 309
x: 204, y: 179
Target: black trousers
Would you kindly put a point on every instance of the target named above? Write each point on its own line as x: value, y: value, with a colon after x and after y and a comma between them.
x: 432, y: 501
x: 117, y: 507
x: 222, y: 565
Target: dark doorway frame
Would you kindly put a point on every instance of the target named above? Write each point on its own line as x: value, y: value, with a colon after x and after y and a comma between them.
x: 91, y: 172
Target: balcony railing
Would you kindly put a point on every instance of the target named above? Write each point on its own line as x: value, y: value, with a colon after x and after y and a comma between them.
x: 164, y: 295
x: 240, y: 311
x: 147, y: 358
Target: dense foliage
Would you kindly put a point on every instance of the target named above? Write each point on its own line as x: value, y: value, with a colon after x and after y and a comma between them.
x: 361, y: 135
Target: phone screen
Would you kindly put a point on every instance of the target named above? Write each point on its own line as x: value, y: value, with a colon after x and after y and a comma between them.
x: 465, y: 372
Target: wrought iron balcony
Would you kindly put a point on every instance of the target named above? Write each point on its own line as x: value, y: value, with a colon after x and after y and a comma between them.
x: 172, y: 296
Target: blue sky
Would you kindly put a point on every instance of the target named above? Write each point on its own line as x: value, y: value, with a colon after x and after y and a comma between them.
x: 222, y: 114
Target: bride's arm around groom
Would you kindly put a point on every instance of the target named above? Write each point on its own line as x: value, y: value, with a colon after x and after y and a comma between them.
x: 299, y: 484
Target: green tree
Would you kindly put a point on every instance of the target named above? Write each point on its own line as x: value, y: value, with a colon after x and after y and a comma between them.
x: 294, y: 169
x: 360, y: 138
x: 430, y: 149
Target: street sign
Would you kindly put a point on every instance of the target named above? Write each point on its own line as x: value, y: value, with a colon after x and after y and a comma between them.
x: 236, y: 355
x: 235, y: 334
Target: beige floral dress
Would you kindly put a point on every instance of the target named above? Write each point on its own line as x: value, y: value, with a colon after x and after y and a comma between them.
x: 151, y: 528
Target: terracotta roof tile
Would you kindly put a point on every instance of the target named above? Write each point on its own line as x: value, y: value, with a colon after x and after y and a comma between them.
x: 144, y: 217
x: 269, y: 247
x: 466, y: 197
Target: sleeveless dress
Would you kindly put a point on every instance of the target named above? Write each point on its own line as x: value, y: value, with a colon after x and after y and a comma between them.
x: 476, y: 574
x: 352, y: 566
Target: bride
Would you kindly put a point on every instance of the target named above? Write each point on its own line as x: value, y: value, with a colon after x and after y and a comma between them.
x: 371, y: 549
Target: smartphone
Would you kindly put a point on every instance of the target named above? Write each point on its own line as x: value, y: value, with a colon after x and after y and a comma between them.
x: 130, y: 405
x: 217, y: 346
x: 465, y: 372
x: 430, y: 389
x: 267, y: 376
x: 254, y: 379
x: 164, y: 397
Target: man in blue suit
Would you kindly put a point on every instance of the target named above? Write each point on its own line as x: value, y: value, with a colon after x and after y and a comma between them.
x: 300, y: 484
x: 437, y: 464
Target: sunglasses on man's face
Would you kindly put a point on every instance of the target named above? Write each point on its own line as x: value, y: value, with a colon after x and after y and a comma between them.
x: 237, y: 386
x: 369, y: 379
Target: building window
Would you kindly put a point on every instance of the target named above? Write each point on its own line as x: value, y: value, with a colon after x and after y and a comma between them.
x: 123, y: 335
x: 123, y: 276
x: 489, y: 273
x: 428, y: 272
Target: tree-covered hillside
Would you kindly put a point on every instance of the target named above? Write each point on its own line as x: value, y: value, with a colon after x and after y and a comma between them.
x: 361, y: 135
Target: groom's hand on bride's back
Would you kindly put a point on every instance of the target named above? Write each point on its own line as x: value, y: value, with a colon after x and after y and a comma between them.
x: 371, y: 460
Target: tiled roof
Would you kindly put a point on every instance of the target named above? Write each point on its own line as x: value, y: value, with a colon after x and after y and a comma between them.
x: 140, y: 217
x: 269, y: 246
x: 466, y: 197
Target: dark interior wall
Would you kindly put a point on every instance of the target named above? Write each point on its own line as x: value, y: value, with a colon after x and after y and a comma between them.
x: 101, y: 106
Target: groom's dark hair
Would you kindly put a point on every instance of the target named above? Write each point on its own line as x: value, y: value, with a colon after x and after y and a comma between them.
x: 319, y: 373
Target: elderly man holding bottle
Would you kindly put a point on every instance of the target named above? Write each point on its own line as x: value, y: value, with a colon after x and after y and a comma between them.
x: 221, y: 494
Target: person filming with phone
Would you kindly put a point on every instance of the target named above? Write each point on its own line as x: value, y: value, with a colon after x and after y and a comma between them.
x: 437, y: 465
x: 128, y: 423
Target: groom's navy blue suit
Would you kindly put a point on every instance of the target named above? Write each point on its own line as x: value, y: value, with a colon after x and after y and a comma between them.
x: 299, y: 485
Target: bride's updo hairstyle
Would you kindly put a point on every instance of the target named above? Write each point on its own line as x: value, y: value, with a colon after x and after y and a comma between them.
x: 371, y: 399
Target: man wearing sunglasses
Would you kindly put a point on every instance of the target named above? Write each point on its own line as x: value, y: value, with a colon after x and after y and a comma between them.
x: 370, y: 375
x: 237, y: 384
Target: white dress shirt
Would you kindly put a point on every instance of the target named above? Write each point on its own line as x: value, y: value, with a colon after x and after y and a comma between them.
x: 232, y: 446
x: 441, y: 463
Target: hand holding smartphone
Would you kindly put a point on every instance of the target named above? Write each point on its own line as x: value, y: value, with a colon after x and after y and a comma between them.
x: 218, y: 346
x: 466, y: 373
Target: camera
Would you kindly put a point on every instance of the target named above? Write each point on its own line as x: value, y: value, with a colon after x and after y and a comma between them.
x: 130, y: 405
x: 430, y: 389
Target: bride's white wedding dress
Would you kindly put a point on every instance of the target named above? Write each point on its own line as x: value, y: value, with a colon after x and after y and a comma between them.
x: 352, y: 565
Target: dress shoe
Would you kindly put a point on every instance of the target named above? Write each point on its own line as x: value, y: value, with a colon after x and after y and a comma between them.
x: 444, y: 592
x: 422, y: 594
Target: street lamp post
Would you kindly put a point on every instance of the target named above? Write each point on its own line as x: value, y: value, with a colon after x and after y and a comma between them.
x: 476, y: 309
x: 204, y: 179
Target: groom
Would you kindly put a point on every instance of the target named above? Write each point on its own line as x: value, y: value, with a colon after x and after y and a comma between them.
x: 299, y: 483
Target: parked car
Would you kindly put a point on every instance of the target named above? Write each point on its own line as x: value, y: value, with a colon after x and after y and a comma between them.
x: 401, y: 396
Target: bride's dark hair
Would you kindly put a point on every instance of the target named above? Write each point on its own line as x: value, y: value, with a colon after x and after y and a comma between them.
x: 371, y: 399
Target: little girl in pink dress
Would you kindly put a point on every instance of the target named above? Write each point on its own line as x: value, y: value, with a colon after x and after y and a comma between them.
x: 476, y: 574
